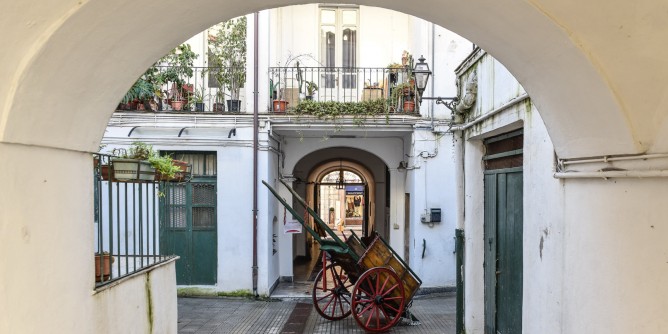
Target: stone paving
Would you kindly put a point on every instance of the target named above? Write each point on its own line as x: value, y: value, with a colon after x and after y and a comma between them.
x: 436, y: 313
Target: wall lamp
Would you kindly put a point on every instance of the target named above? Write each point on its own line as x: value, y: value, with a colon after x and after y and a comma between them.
x: 422, y: 74
x: 403, y: 166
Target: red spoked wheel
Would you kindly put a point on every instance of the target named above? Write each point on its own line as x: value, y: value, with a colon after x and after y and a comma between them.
x: 331, y: 293
x: 378, y: 299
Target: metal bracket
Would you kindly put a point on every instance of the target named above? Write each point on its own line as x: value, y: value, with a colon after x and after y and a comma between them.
x: 448, y: 102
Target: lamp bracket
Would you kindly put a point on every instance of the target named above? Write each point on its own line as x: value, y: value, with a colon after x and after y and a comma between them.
x: 448, y: 102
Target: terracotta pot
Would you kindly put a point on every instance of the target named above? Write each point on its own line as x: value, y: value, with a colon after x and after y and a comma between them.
x: 409, y: 106
x: 280, y: 106
x: 177, y: 105
x: 103, y: 267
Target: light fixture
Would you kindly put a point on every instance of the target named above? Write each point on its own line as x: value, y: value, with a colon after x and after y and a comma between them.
x: 422, y: 74
x: 402, y: 166
x: 340, y: 184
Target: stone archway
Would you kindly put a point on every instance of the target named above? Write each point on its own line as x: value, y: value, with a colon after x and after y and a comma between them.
x: 595, y: 70
x: 76, y: 56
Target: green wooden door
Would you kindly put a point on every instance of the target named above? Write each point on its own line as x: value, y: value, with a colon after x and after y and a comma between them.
x: 189, y: 230
x: 188, y: 221
x: 503, y: 221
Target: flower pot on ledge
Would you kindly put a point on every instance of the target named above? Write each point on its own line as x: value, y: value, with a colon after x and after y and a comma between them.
x: 280, y: 106
x: 103, y: 267
x: 177, y: 104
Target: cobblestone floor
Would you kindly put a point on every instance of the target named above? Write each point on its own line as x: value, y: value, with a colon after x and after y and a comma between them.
x: 436, y: 313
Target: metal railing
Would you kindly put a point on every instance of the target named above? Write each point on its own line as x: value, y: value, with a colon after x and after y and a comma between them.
x: 127, y: 222
x: 202, y: 89
x: 292, y: 85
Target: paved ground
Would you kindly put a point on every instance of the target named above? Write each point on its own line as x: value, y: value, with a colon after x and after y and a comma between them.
x: 436, y: 313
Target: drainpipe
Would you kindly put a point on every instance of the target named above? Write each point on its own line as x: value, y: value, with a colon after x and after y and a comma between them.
x: 460, y: 175
x: 255, y: 145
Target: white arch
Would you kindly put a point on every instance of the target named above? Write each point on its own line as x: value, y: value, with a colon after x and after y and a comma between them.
x: 81, y: 57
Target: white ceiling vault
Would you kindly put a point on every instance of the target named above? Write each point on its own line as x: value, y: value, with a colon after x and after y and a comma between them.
x: 597, y: 70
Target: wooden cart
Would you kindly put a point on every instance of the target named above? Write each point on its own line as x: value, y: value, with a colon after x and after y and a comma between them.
x: 365, y: 278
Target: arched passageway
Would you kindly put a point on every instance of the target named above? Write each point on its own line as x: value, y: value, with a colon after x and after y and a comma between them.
x: 596, y: 71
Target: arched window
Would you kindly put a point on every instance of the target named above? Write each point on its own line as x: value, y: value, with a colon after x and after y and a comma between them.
x: 348, y: 177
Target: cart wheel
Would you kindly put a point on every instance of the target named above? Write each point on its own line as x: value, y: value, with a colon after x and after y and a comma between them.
x: 331, y: 293
x: 378, y: 299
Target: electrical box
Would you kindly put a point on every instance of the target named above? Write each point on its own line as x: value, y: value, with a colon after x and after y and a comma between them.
x: 435, y: 215
x: 431, y: 216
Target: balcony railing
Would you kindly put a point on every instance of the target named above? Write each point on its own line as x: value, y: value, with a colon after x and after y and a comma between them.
x: 127, y: 223
x: 200, y: 90
x: 342, y: 84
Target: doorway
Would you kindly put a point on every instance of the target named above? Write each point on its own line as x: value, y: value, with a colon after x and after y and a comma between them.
x: 503, y: 219
x: 188, y: 222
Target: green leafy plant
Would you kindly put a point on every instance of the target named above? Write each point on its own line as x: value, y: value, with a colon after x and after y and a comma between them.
x: 179, y: 68
x: 138, y: 150
x: 311, y: 88
x: 227, y: 53
x: 331, y: 110
x: 163, y: 164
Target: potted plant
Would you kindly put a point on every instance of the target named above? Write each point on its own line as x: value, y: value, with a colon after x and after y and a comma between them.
x: 103, y: 266
x: 227, y: 52
x: 278, y: 105
x: 168, y: 169
x: 198, y: 99
x: 179, y: 68
x: 311, y: 89
x: 132, y: 165
x: 219, y: 105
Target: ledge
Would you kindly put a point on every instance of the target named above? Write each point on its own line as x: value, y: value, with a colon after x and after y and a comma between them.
x: 141, y: 272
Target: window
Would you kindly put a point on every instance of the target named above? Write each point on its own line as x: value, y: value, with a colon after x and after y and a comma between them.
x: 338, y: 45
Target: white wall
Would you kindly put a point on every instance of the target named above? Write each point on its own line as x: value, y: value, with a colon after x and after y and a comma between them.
x: 47, y: 252
x: 432, y: 185
x: 543, y: 204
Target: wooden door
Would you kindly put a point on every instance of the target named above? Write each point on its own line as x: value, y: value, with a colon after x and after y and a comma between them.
x: 503, y: 221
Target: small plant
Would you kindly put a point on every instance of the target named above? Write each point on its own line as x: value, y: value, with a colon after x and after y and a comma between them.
x: 311, y: 88
x: 164, y: 165
x: 138, y: 151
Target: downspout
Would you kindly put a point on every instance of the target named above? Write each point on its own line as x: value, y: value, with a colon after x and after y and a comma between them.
x: 255, y: 145
x: 460, y: 182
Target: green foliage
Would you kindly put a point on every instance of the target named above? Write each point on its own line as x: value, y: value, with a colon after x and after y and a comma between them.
x: 227, y: 52
x: 180, y: 67
x: 141, y: 90
x: 332, y: 109
x: 311, y: 88
x: 138, y: 151
x: 163, y: 164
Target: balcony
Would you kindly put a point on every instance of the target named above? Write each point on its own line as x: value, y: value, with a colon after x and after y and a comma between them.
x: 386, y: 90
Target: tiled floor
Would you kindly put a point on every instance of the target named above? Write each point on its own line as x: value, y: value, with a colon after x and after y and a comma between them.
x: 436, y: 313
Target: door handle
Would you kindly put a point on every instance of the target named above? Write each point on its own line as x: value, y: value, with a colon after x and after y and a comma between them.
x: 498, y: 272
